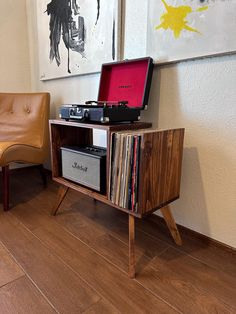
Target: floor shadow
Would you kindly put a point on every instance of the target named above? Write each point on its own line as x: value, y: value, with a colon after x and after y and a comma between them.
x: 25, y: 184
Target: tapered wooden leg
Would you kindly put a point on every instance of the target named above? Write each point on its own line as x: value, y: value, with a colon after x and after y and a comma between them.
x: 167, y: 215
x: 60, y: 197
x: 5, y: 183
x: 131, y: 246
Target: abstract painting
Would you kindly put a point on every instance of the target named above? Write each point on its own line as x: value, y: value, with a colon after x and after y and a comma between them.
x: 186, y: 29
x: 77, y: 36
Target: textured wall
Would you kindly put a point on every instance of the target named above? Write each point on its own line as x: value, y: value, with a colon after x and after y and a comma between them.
x: 198, y: 95
x: 201, y: 96
x: 14, y: 57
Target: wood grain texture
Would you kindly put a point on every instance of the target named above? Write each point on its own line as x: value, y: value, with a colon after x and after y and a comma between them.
x: 131, y: 247
x: 183, y: 295
x: 67, y: 292
x: 91, y: 241
x: 69, y: 135
x: 194, y: 244
x: 160, y: 161
x: 108, y: 232
x: 170, y: 222
x: 21, y: 297
x: 92, y: 194
x: 9, y: 269
x: 160, y: 168
x: 62, y: 191
x: 109, y: 127
x: 80, y: 134
x: 112, y: 284
x: 159, y: 176
x: 102, y: 307
x: 192, y: 287
x: 150, y: 276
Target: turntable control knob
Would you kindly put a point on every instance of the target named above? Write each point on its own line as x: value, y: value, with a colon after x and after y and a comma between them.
x: 86, y: 114
x: 72, y: 112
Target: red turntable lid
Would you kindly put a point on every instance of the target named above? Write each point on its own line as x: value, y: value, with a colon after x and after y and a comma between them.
x: 128, y: 80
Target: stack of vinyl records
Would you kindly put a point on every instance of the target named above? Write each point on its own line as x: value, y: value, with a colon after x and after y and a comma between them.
x: 124, y: 170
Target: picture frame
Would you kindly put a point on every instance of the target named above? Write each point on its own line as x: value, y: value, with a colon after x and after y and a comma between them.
x: 185, y: 29
x: 76, y: 37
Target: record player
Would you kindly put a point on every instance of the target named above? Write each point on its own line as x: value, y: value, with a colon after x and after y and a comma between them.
x: 123, y: 92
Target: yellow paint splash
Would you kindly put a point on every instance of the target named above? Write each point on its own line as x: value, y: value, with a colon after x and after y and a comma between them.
x: 202, y: 9
x: 175, y: 19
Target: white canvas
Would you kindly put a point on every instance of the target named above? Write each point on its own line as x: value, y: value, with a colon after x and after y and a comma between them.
x: 183, y: 29
x: 91, y: 39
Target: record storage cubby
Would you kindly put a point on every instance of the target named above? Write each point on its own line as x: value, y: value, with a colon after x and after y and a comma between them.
x: 159, y: 171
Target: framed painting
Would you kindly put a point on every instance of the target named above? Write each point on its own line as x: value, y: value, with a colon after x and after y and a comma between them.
x: 77, y: 36
x: 187, y: 29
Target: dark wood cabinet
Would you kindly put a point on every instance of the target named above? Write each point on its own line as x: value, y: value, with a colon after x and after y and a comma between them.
x: 159, y: 172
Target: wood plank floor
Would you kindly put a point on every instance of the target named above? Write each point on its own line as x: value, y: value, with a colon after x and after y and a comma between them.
x: 77, y: 262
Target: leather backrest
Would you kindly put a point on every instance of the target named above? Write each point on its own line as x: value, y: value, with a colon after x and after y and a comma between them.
x: 24, y: 118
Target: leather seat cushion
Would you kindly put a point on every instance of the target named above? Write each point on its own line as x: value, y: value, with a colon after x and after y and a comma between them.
x: 24, y: 127
x: 20, y: 152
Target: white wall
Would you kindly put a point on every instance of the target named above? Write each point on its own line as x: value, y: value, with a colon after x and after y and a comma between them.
x: 201, y: 96
x: 198, y: 95
x: 14, y: 56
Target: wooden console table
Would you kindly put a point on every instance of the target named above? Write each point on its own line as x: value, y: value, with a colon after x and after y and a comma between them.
x: 159, y: 173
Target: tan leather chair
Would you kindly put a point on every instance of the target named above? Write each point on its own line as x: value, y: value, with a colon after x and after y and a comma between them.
x: 24, y: 135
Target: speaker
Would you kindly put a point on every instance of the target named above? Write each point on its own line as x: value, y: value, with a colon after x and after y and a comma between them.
x: 85, y: 165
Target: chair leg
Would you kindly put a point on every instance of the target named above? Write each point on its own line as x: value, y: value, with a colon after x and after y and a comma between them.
x: 5, y: 183
x: 43, y: 174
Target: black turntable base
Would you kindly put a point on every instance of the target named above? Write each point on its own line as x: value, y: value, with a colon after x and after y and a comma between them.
x: 100, y: 113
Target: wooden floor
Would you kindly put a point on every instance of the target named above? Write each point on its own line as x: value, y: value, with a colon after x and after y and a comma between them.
x: 77, y: 261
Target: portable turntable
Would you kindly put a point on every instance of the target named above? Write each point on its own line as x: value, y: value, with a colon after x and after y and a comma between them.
x: 123, y: 92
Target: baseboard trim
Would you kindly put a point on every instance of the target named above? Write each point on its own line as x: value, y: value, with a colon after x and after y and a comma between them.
x: 205, y: 239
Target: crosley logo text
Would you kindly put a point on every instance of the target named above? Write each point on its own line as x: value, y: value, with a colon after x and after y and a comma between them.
x: 125, y: 86
x: 79, y: 167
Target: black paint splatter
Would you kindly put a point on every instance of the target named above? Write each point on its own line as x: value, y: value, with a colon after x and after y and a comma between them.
x: 98, y: 11
x: 62, y: 24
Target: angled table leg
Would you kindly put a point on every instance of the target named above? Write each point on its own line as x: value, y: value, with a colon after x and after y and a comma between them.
x: 61, y: 194
x: 167, y: 215
x: 131, y: 246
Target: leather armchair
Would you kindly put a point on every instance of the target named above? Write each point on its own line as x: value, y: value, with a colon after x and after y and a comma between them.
x: 24, y: 132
